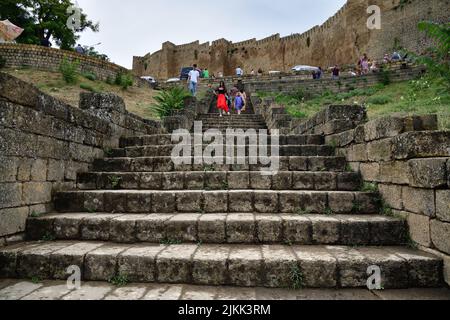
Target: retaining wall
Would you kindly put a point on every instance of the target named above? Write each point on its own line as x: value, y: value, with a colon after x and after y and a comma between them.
x: 45, y: 142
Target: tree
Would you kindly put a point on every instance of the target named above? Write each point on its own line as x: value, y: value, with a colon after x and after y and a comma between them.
x: 438, y: 58
x: 45, y: 20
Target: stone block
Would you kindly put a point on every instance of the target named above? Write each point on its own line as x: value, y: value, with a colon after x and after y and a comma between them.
x: 421, y: 145
x: 266, y: 202
x: 39, y: 170
x: 37, y: 192
x: 282, y: 181
x: 358, y: 152
x: 216, y: 180
x: 172, y: 181
x: 443, y: 205
x: 370, y: 171
x: 163, y: 202
x: 8, y: 169
x: 138, y: 263
x: 238, y: 180
x: 100, y: 264
x: 440, y: 235
x: 392, y: 195
x: 211, y: 228
x: 279, y: 262
x: 297, y: 229
x: 259, y: 181
x: 420, y: 201
x: 428, y: 173
x: 241, y: 201
x: 152, y: 228
x: 241, y: 228
x: 10, y: 195
x: 151, y: 181
x: 13, y: 220
x: 139, y: 203
x: 174, y: 264
x: 215, y: 202
x: 419, y: 229
x: 380, y: 150
x: 384, y: 128
x: 396, y: 172
x: 55, y: 171
x: 123, y: 229
x: 269, y: 228
x: 245, y: 266
x: 209, y: 265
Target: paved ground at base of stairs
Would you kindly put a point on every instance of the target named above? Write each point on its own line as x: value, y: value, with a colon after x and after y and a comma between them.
x: 57, y: 290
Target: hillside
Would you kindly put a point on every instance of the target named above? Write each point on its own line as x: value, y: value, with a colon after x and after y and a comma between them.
x: 137, y: 100
x: 418, y: 97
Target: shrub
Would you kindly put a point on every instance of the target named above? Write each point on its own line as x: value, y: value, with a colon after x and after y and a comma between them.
x: 87, y: 87
x: 385, y: 77
x: 124, y: 80
x: 2, y: 62
x: 90, y: 76
x: 379, y: 100
x: 170, y: 100
x: 69, y: 70
x: 109, y: 80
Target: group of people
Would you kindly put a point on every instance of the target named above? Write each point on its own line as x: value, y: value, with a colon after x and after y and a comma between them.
x: 234, y: 99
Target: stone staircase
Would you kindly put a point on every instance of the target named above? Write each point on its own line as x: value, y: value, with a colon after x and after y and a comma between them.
x: 138, y: 215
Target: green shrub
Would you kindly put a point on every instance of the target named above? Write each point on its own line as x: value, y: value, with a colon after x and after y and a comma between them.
x: 90, y: 76
x: 385, y: 77
x: 2, y: 62
x: 379, y: 100
x: 109, y: 80
x: 124, y: 80
x: 170, y: 100
x: 69, y: 70
x: 87, y: 87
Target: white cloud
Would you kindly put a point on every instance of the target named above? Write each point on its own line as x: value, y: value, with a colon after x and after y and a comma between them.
x: 137, y: 27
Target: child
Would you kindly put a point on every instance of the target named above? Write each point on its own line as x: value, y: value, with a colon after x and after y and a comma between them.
x: 239, y: 103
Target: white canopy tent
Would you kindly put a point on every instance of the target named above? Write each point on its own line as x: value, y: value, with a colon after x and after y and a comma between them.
x: 9, y: 31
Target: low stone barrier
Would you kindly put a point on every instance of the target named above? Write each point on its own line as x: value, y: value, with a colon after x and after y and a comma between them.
x: 45, y: 142
x: 49, y: 59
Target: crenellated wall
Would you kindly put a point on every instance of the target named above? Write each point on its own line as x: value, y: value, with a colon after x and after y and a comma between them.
x: 341, y: 39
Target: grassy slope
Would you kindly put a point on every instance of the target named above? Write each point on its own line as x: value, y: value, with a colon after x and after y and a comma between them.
x: 137, y: 100
x: 424, y: 96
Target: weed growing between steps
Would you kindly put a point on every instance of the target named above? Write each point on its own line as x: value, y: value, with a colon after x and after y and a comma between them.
x: 119, y: 280
x: 297, y: 278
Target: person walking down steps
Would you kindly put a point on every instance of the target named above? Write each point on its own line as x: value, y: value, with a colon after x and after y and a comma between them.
x: 239, y: 103
x: 194, y: 77
x: 222, y: 105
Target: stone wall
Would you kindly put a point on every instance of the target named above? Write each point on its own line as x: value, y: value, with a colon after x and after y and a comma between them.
x: 405, y: 157
x: 290, y: 83
x: 342, y: 39
x: 44, y: 143
x: 49, y: 59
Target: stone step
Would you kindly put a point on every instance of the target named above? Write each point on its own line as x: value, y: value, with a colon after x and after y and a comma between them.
x: 232, y: 116
x: 240, y: 265
x: 165, y: 164
x: 235, y: 201
x: 212, y: 180
x: 244, y: 124
x: 245, y: 228
x: 246, y: 150
x: 166, y: 139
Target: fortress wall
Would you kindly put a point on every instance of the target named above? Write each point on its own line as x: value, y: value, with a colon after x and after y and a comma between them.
x: 342, y: 39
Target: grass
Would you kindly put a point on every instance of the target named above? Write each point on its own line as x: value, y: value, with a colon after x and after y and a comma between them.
x: 417, y: 97
x: 114, y: 181
x: 297, y: 278
x: 137, y: 100
x: 119, y: 280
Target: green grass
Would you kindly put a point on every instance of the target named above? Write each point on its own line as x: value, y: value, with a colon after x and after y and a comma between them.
x: 417, y: 97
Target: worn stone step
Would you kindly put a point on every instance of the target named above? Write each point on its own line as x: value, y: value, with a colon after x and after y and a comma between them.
x: 165, y: 164
x: 269, y: 266
x: 244, y: 150
x: 166, y: 139
x: 232, y: 116
x: 239, y: 228
x: 221, y: 180
x: 235, y: 201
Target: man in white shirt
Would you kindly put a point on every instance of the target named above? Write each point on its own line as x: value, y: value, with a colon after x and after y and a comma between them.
x: 194, y: 78
x: 239, y: 72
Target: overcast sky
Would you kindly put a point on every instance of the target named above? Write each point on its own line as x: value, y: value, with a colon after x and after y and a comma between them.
x: 137, y: 27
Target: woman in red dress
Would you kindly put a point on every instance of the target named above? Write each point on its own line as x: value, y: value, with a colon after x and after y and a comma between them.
x: 222, y: 105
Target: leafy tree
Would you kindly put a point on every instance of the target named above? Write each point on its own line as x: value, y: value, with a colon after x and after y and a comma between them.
x: 44, y: 20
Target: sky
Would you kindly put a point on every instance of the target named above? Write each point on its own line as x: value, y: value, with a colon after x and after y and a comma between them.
x: 137, y: 27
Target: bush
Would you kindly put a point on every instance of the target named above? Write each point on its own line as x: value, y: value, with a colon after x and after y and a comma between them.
x: 90, y: 76
x: 170, y: 100
x: 385, y: 77
x: 69, y: 70
x: 379, y: 100
x: 2, y: 62
x: 87, y: 87
x: 109, y: 80
x: 124, y: 80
